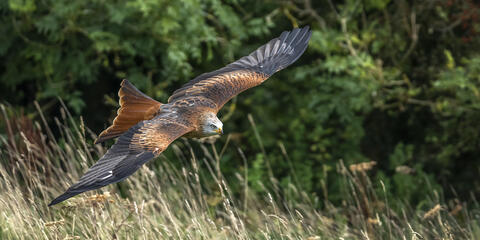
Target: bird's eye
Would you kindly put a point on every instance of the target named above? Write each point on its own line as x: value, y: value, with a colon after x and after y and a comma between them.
x: 213, y: 126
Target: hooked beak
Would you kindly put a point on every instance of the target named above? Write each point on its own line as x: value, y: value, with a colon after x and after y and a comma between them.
x: 219, y: 131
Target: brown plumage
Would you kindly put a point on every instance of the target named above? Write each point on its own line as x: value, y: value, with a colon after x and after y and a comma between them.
x: 146, y: 127
x: 222, y: 87
x: 134, y: 107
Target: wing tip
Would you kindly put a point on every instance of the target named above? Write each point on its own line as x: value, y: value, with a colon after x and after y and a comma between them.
x: 291, y: 45
x: 62, y: 198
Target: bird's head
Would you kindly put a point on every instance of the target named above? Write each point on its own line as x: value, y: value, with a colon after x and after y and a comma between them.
x: 210, y: 125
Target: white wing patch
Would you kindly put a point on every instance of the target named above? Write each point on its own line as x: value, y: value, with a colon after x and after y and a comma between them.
x: 110, y: 173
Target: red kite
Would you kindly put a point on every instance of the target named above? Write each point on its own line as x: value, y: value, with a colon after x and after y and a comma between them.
x: 146, y: 127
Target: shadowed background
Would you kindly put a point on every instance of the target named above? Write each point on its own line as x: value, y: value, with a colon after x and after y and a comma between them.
x: 394, y: 82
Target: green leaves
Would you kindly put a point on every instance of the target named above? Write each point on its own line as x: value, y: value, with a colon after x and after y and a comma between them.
x: 104, y: 41
x: 387, y: 81
x: 376, y: 4
x: 23, y: 6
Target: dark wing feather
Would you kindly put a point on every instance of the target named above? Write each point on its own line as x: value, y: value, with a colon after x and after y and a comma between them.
x: 138, y: 145
x: 249, y: 71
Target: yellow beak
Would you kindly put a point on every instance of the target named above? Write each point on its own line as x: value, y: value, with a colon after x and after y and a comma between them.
x: 219, y: 131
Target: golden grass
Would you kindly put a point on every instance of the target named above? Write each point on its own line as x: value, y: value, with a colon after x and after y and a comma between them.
x: 432, y: 212
x: 162, y: 201
x: 362, y: 167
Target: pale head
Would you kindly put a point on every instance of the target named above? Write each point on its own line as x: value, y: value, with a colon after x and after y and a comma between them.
x: 210, y: 125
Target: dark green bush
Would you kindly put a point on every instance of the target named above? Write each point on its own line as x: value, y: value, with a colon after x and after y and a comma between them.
x: 396, y: 82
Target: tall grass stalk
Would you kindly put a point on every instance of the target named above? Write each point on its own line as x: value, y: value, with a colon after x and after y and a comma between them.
x: 162, y: 201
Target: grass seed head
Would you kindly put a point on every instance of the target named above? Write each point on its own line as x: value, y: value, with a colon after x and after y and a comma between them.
x: 362, y: 167
x: 54, y: 223
x: 404, y: 170
x: 432, y: 212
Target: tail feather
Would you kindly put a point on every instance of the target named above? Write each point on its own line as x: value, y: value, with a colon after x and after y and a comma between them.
x: 134, y: 107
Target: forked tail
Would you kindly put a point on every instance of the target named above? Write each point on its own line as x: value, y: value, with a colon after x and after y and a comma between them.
x: 134, y: 107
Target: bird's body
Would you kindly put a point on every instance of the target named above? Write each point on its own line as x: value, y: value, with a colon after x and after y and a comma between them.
x: 146, y: 127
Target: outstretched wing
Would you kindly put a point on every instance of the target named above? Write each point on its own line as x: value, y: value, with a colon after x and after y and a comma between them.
x: 249, y: 71
x: 138, y: 145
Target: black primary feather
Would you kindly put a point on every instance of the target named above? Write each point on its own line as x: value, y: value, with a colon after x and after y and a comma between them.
x: 277, y: 54
x: 118, y: 163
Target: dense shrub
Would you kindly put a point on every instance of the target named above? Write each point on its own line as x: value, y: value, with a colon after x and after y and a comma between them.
x: 396, y: 82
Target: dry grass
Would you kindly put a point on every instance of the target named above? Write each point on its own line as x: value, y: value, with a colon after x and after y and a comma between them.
x: 164, y: 202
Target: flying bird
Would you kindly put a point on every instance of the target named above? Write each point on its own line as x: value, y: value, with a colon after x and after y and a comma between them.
x: 146, y: 127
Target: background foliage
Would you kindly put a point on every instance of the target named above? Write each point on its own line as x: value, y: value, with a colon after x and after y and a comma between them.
x: 395, y: 82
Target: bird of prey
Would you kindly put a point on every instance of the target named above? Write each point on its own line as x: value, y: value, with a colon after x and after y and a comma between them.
x: 146, y: 127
